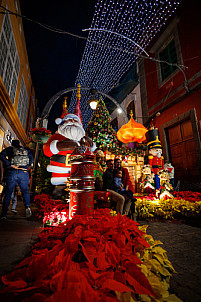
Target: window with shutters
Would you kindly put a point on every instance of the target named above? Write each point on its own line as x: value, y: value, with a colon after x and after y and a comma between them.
x: 22, y: 103
x: 169, y: 55
x: 9, y: 59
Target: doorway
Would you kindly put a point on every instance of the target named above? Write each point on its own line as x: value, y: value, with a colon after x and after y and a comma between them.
x: 182, y: 151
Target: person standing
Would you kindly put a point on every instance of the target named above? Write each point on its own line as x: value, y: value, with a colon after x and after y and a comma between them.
x: 16, y: 160
x: 108, y: 185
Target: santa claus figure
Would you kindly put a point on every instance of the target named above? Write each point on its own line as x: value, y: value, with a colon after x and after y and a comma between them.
x: 155, y: 158
x: 60, y: 145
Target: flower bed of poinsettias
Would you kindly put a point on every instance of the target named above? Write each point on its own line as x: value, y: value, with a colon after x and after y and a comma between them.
x: 169, y: 209
x: 50, y: 210
x: 100, y: 258
x: 187, y: 195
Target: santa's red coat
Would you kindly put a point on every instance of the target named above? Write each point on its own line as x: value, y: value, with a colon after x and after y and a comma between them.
x: 58, y: 164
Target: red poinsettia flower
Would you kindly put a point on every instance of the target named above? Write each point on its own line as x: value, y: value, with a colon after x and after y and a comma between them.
x: 88, y: 258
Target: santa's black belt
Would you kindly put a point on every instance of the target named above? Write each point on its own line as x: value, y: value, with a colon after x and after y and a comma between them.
x: 59, y: 158
x: 156, y: 166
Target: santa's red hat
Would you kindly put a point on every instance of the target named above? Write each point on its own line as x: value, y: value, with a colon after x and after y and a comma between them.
x: 77, y: 110
x: 65, y: 115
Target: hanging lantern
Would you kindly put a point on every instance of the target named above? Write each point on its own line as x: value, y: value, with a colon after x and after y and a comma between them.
x: 132, y: 132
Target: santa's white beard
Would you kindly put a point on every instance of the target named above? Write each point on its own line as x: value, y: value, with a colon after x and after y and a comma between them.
x: 71, y: 131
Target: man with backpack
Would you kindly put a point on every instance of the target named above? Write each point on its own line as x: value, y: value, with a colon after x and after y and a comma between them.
x: 16, y: 161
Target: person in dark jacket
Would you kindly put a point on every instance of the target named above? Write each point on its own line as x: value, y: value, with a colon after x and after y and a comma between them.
x: 16, y: 161
x: 108, y: 185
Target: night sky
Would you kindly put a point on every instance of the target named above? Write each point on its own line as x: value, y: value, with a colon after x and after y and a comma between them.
x: 54, y: 58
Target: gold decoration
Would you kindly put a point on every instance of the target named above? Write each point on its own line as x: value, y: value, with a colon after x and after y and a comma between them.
x: 78, y: 95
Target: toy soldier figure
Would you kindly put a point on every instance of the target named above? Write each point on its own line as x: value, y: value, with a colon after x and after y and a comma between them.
x: 155, y: 158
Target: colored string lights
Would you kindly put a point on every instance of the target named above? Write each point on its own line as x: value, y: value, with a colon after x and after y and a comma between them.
x: 102, y: 67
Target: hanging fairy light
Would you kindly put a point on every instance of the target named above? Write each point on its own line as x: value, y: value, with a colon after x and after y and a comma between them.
x: 105, y: 62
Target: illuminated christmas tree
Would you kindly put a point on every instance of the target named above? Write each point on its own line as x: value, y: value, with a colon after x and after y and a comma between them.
x: 102, y: 133
x: 100, y: 129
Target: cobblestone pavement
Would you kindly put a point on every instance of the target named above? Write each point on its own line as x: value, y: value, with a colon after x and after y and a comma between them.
x: 17, y: 235
x: 183, y: 246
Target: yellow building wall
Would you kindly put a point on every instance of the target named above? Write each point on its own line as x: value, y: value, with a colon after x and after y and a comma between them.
x: 9, y: 109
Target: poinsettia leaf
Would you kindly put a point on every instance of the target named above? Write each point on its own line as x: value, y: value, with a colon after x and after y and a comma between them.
x: 114, y: 285
x: 78, y: 231
x: 139, y: 288
x: 13, y: 276
x: 119, y: 239
x: 112, y: 253
x: 143, y: 242
x: 24, y: 262
x: 119, y: 276
x: 159, y: 268
x: 131, y: 258
x: 89, y: 234
x: 138, y: 280
x: 89, y: 251
x: 17, y: 284
x: 101, y: 261
x: 71, y: 243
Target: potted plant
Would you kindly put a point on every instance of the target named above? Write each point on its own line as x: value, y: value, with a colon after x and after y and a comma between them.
x: 40, y: 135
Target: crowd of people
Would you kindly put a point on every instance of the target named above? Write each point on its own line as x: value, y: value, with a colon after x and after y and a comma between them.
x: 16, y: 160
x: 110, y: 176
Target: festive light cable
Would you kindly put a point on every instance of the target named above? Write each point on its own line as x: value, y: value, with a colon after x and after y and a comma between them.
x: 106, y: 57
x: 139, y: 21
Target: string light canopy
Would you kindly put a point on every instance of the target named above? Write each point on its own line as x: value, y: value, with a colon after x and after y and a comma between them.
x: 105, y: 62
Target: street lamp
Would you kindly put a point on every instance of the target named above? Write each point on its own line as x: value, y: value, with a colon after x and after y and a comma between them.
x: 93, y: 100
x: 93, y: 104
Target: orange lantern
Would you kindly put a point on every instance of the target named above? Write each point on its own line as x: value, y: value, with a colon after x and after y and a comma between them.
x: 132, y: 132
